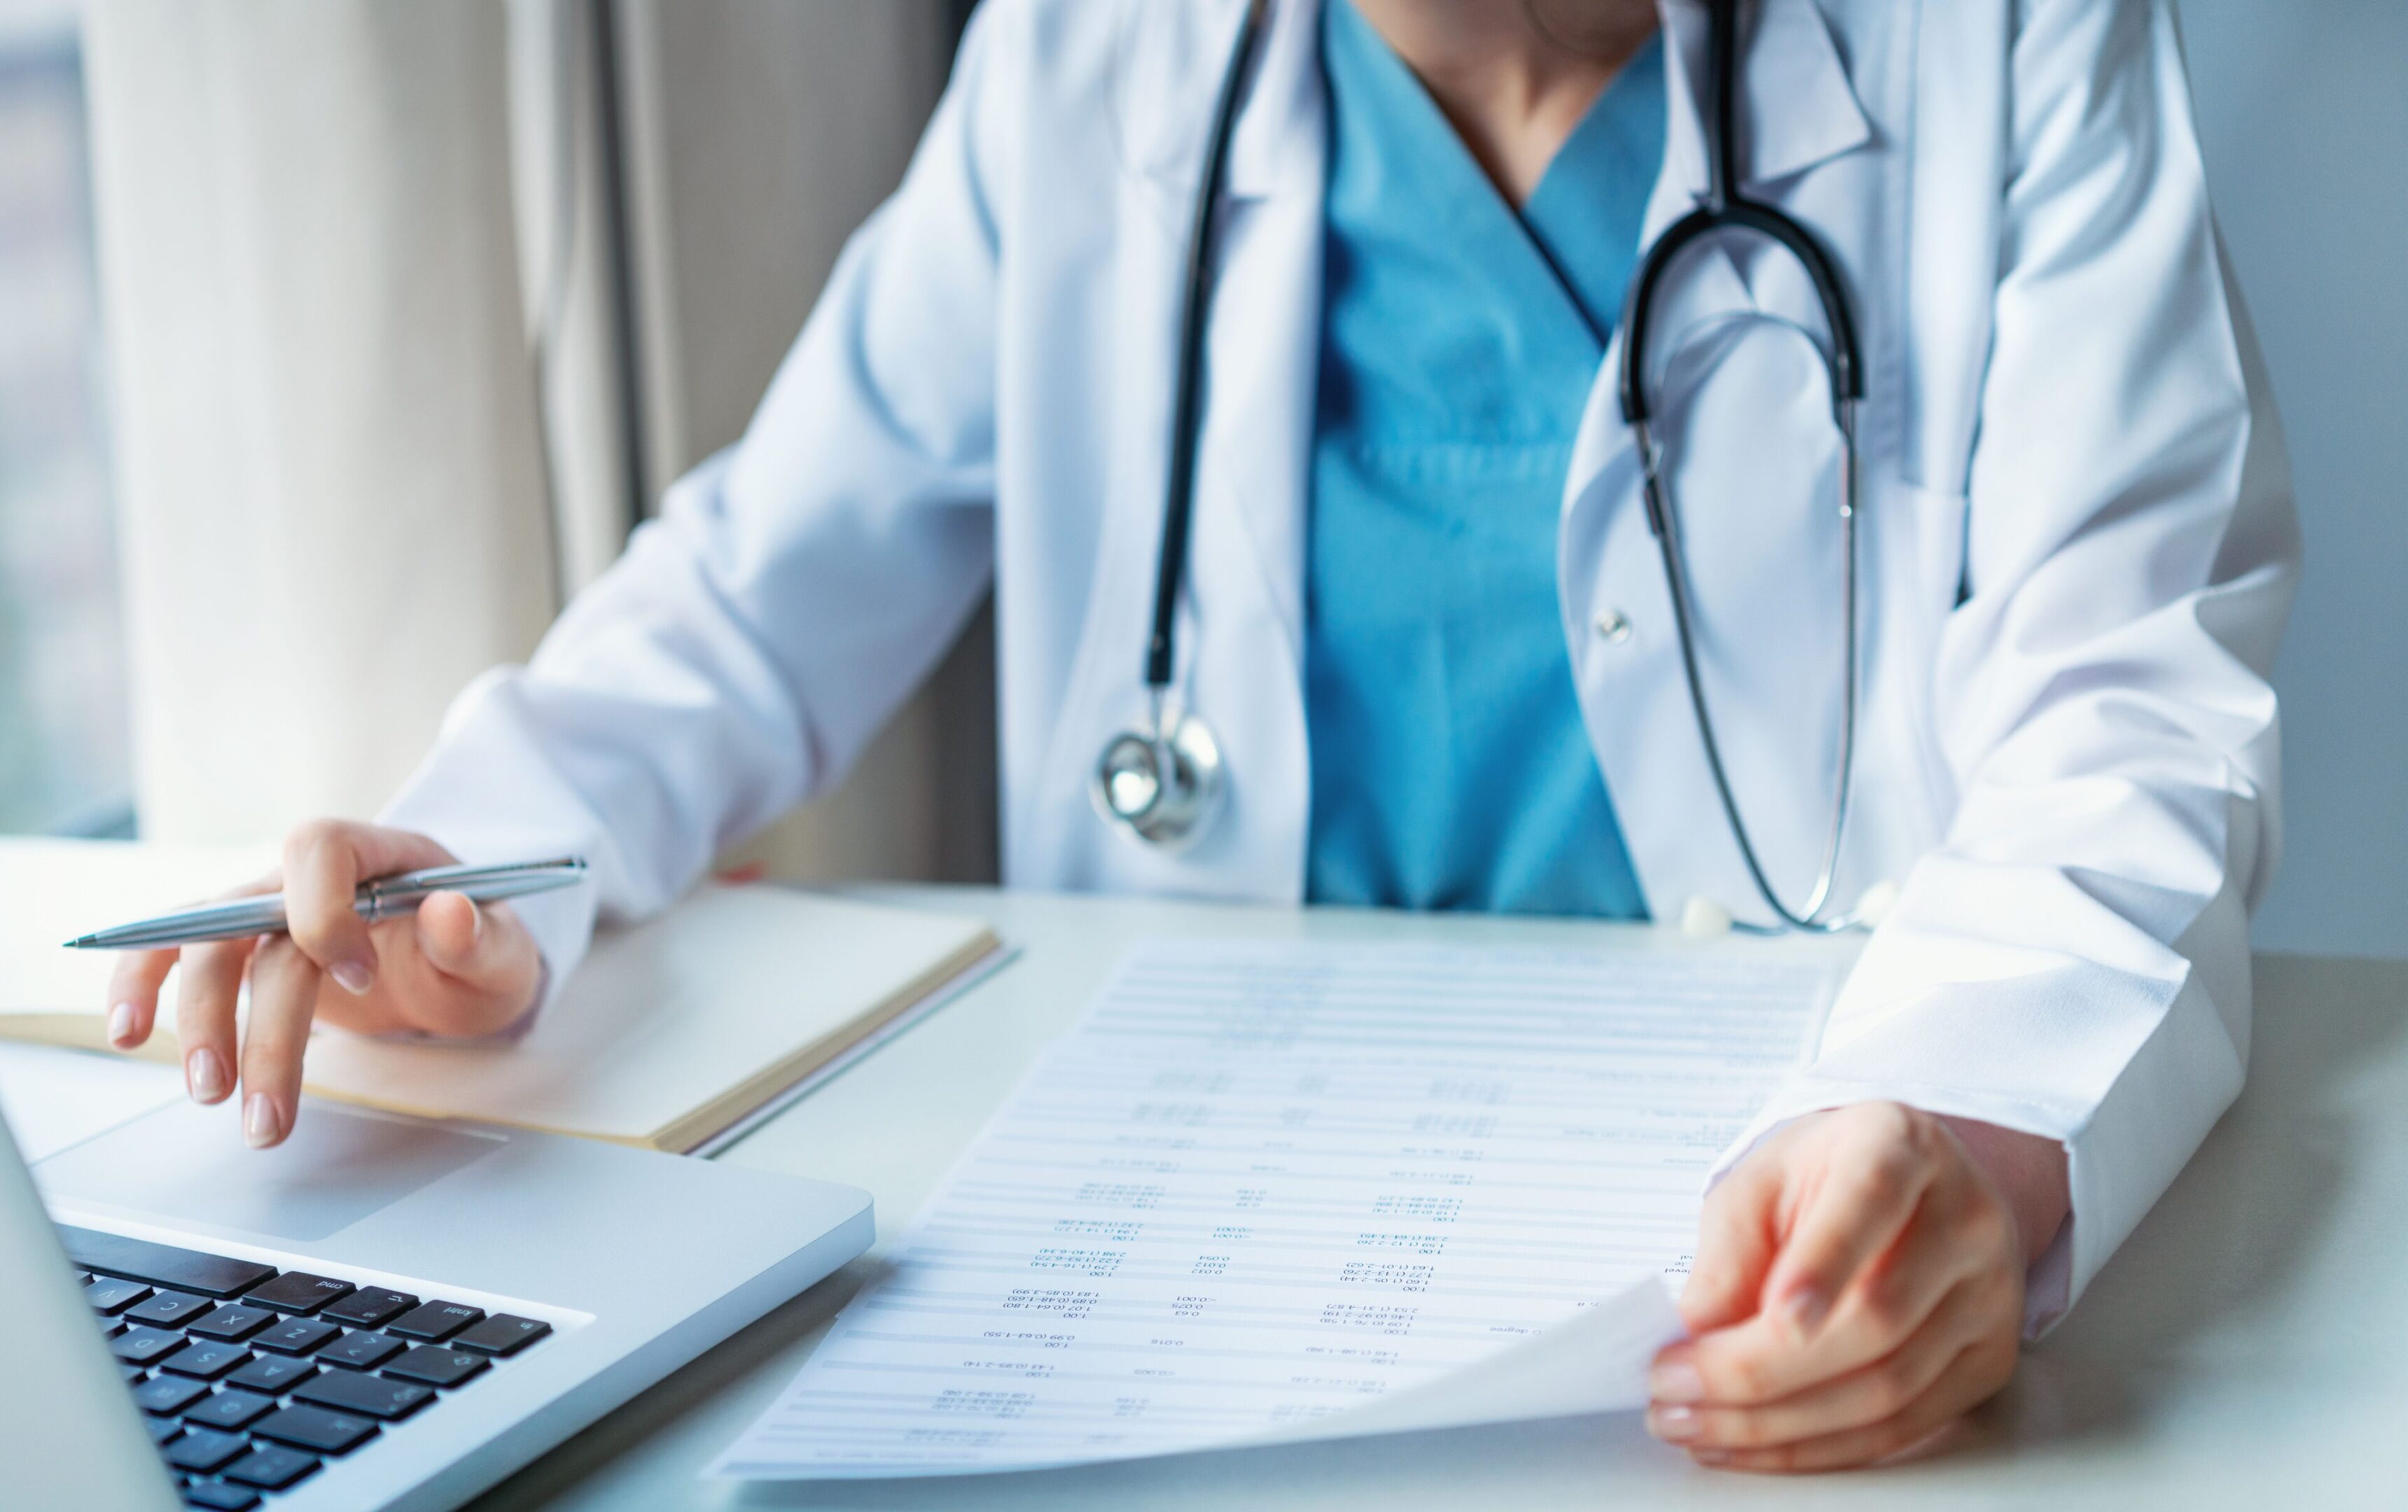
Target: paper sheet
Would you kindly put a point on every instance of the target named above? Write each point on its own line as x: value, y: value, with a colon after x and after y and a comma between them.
x: 1269, y: 1191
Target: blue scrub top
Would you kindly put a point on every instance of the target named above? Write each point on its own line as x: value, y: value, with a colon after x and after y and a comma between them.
x: 1450, y: 768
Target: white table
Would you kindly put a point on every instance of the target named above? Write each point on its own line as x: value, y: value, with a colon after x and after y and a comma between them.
x: 2247, y: 1347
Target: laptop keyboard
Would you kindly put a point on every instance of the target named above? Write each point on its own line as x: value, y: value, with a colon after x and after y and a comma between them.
x: 251, y: 1378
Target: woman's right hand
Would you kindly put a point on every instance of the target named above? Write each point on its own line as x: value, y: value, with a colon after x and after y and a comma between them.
x: 454, y: 968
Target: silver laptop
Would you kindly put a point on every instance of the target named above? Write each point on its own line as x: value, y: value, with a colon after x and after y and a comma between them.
x: 383, y: 1312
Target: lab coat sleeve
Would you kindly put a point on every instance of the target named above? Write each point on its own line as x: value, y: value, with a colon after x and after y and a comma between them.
x: 793, y: 592
x: 2073, y: 961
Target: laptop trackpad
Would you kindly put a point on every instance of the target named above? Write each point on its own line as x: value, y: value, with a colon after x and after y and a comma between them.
x: 190, y: 1163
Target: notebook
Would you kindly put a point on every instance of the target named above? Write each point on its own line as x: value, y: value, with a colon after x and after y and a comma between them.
x: 52, y: 890
x: 670, y: 1032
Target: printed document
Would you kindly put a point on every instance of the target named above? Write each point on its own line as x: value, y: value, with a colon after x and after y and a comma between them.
x: 1283, y: 1190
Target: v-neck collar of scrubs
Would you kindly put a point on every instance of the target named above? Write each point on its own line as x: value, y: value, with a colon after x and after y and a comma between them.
x: 1563, y: 247
x: 1449, y: 765
x: 1609, y: 163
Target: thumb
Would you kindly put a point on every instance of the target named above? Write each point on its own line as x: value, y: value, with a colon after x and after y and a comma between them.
x: 1736, y: 1245
x: 485, y: 951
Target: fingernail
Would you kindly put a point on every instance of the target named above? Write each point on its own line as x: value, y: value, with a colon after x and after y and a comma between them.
x: 121, y: 1025
x: 205, y: 1076
x: 1674, y: 1425
x: 261, y: 1125
x: 1676, y: 1382
x: 1804, y: 1308
x: 352, y: 976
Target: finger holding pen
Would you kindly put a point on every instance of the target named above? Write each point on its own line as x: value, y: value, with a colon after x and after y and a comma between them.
x: 450, y: 967
x: 133, y: 988
x: 325, y: 863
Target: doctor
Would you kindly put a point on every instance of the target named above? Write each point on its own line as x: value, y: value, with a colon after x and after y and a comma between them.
x: 1424, y: 614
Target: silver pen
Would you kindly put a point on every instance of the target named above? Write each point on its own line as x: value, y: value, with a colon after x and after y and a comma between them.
x: 383, y: 897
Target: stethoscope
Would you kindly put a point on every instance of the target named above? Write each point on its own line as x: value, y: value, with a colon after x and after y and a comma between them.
x: 1163, y: 782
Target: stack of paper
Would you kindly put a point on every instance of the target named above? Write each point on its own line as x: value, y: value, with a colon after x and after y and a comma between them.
x: 1272, y: 1191
x: 670, y: 1032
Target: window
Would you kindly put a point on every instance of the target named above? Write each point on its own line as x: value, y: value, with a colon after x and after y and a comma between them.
x: 64, y: 758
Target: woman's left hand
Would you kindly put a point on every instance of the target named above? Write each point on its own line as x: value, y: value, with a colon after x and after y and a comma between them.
x: 1858, y: 1286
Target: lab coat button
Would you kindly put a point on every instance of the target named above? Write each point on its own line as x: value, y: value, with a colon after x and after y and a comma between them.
x: 1614, y: 627
x: 1705, y: 920
x: 1875, y: 904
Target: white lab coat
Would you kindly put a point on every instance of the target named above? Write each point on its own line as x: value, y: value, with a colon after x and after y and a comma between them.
x: 2071, y: 772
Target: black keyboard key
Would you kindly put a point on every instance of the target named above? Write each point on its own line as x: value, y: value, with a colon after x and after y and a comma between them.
x: 110, y: 1328
x: 145, y: 1346
x: 109, y: 1295
x: 368, y: 1307
x: 271, y: 1467
x: 361, y: 1351
x: 133, y: 1372
x: 182, y: 1270
x: 205, y: 1359
x: 229, y: 1410
x: 232, y: 1321
x: 203, y: 1449
x: 169, y: 1310
x: 273, y: 1373
x: 295, y: 1335
x: 315, y: 1428
x: 436, y: 1321
x: 219, y: 1497
x: 161, y: 1428
x: 501, y: 1333
x: 169, y: 1394
x: 297, y: 1291
x: 370, y: 1395
x: 435, y: 1366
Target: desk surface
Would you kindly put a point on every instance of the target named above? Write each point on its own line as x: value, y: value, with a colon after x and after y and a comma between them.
x: 2245, y: 1347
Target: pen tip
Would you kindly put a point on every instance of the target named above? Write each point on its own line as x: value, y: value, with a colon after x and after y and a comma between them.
x: 78, y: 942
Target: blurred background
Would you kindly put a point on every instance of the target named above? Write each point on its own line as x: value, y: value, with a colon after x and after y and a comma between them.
x: 341, y: 339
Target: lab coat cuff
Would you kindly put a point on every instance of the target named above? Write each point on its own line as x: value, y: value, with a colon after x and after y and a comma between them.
x: 2048, y: 1284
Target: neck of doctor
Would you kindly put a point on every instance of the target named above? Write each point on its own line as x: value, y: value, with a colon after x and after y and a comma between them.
x: 1514, y: 76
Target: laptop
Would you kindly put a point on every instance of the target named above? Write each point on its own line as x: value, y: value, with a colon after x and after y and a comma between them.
x: 383, y: 1312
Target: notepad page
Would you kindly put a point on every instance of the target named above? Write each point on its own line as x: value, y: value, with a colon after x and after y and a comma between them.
x: 54, y: 891
x: 676, y: 1028
x: 1261, y: 1186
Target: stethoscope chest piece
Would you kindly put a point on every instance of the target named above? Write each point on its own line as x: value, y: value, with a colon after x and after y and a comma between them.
x: 1161, y: 787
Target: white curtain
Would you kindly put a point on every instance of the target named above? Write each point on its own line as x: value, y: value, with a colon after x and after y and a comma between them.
x: 334, y: 233
x: 322, y: 407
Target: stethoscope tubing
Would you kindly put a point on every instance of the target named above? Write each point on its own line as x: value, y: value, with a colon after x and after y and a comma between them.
x: 1727, y: 209
x: 1724, y: 209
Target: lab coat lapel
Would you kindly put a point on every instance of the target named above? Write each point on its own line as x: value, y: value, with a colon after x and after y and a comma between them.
x: 1799, y: 111
x: 1239, y: 628
x: 1253, y: 476
x: 1262, y: 356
